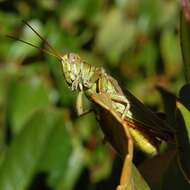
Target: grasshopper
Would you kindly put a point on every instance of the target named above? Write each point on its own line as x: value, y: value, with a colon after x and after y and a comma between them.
x: 123, y: 118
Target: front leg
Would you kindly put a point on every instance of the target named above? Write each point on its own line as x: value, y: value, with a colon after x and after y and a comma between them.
x: 79, y: 105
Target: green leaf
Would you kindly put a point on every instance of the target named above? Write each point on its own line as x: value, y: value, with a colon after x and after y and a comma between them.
x: 183, y: 139
x: 139, y: 182
x: 136, y: 181
x: 25, y: 97
x: 170, y: 51
x: 58, y: 150
x: 73, y: 169
x: 19, y: 166
x: 20, y: 50
x: 100, y: 164
x: 116, y: 35
x: 59, y: 155
x: 185, y: 45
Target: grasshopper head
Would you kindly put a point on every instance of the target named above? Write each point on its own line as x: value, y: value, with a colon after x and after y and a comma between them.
x: 78, y: 74
x: 71, y: 64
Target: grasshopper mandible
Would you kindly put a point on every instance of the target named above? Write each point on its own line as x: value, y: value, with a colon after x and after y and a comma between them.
x: 132, y: 121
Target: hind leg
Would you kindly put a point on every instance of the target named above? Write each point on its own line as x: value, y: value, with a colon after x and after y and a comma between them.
x: 126, y: 181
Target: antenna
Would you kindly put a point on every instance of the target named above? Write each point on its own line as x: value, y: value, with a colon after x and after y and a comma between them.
x: 54, y: 51
x: 30, y: 44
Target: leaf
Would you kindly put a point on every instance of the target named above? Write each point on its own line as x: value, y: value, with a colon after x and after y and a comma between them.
x: 24, y: 98
x: 61, y: 157
x: 170, y: 51
x: 136, y: 181
x: 185, y: 45
x: 183, y: 139
x: 117, y: 34
x: 139, y: 182
x: 153, y: 169
x: 100, y: 164
x: 184, y: 95
x: 20, y: 50
x: 173, y: 178
x: 169, y: 101
x: 19, y: 166
x: 74, y: 170
x: 59, y: 148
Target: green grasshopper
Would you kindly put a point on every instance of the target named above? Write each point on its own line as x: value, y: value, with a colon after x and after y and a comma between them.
x: 123, y: 118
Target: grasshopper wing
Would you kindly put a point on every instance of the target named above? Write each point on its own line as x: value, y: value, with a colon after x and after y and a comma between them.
x: 148, y: 119
x: 140, y: 115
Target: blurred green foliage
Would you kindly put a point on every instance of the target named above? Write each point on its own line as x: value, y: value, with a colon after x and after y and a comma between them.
x: 43, y: 144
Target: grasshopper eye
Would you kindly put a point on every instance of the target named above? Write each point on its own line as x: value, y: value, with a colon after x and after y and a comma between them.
x: 73, y: 57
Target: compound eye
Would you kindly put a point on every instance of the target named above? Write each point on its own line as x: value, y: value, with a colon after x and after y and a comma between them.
x: 73, y: 57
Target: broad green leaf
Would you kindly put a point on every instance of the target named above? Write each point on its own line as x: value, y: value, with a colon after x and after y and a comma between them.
x: 185, y: 45
x: 58, y: 150
x: 25, y: 97
x: 183, y: 139
x: 61, y: 157
x: 73, y: 169
x: 25, y: 151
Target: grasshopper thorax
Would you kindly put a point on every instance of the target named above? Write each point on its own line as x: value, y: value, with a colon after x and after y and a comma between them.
x: 78, y: 74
